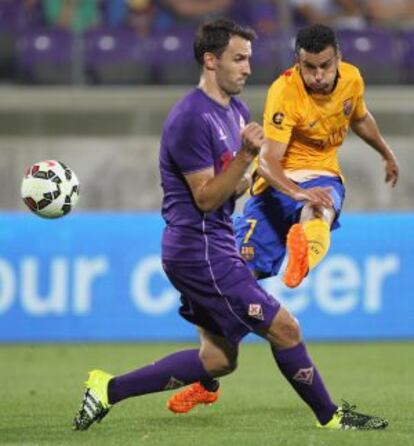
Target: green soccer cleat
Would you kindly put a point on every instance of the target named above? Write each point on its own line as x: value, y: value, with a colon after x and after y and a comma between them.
x: 346, y: 418
x: 95, y: 405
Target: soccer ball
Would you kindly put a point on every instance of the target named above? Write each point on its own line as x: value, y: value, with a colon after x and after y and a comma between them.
x: 50, y: 189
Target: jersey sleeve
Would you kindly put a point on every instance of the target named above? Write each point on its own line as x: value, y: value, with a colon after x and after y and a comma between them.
x: 280, y: 116
x: 190, y: 143
x: 360, y: 107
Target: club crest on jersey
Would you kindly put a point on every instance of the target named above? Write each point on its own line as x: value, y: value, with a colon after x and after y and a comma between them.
x: 278, y: 118
x: 256, y: 312
x: 304, y: 376
x: 348, y: 107
x: 247, y: 252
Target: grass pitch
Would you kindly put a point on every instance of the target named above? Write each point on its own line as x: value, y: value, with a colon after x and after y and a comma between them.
x: 41, y: 388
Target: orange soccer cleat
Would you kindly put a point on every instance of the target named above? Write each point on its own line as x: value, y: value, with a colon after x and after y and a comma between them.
x: 298, y: 261
x: 190, y: 397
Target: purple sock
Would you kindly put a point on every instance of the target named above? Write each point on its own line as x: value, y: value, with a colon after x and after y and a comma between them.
x: 168, y: 373
x: 298, y: 369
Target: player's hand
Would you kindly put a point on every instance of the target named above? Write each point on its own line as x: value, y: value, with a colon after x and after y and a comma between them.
x: 392, y: 170
x: 318, y: 196
x: 252, y: 137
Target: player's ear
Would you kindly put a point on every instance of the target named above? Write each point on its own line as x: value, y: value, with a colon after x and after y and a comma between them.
x: 209, y: 61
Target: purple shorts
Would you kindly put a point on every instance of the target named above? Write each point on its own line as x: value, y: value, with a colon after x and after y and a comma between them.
x: 223, y: 297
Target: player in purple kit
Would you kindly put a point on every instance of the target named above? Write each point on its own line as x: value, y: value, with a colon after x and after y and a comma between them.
x: 206, y: 150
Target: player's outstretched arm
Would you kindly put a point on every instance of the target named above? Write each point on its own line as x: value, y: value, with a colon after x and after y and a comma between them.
x: 271, y: 170
x: 210, y: 191
x: 367, y: 129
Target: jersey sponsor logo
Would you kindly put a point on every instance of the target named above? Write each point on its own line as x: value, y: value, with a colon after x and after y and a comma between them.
x: 318, y: 144
x: 348, y: 104
x: 336, y: 138
x: 313, y: 123
x: 287, y: 73
x: 256, y: 311
x: 304, y: 376
x: 278, y: 118
x: 173, y: 383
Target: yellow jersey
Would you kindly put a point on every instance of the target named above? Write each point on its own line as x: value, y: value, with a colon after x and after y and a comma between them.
x: 313, y: 125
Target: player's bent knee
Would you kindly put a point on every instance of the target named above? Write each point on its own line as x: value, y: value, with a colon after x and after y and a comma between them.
x: 218, y: 368
x: 218, y: 364
x: 292, y: 331
x: 284, y: 331
x: 228, y: 368
x: 310, y: 211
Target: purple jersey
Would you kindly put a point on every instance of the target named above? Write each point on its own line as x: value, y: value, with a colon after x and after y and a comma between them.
x: 198, y: 133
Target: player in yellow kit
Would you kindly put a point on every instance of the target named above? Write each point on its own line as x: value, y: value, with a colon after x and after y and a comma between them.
x: 298, y: 188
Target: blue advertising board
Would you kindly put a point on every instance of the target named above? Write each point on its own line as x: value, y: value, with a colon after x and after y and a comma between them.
x: 99, y: 277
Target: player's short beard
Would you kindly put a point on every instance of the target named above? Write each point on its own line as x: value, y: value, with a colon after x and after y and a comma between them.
x: 234, y: 92
x: 231, y: 91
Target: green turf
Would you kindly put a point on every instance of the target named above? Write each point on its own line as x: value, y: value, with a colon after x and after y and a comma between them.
x: 41, y: 390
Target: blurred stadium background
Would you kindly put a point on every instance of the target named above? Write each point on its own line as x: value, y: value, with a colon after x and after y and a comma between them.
x: 89, y: 82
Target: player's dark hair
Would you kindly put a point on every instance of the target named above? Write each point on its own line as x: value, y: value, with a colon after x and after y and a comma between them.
x: 213, y: 37
x: 316, y: 38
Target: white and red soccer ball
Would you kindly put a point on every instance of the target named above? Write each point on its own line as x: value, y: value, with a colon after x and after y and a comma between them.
x: 50, y: 189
